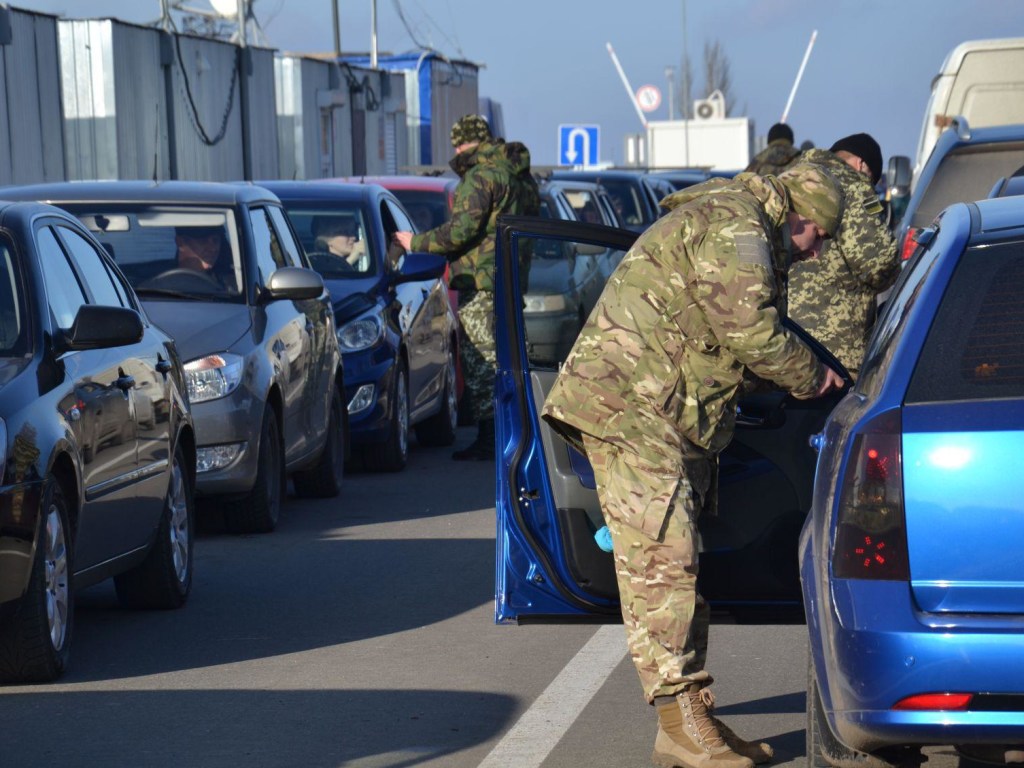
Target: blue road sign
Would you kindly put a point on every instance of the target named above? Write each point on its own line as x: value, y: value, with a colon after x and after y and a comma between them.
x: 579, y: 144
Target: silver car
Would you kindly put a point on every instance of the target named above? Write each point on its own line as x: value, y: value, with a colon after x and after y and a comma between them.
x: 217, y: 266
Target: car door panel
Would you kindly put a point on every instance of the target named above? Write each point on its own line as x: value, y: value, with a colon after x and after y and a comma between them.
x: 548, y: 512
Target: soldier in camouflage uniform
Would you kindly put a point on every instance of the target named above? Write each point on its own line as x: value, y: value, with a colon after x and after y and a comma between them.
x: 778, y: 155
x: 834, y: 297
x: 495, y: 180
x: 649, y: 392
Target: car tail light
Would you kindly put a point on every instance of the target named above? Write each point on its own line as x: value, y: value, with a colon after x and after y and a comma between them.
x: 909, y: 243
x: 871, y: 538
x: 935, y: 701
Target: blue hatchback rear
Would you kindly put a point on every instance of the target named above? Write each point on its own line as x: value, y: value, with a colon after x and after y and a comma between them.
x: 910, y: 559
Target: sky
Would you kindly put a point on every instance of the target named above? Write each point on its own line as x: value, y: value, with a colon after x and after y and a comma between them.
x: 546, y: 61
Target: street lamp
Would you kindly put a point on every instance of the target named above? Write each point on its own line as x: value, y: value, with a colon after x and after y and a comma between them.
x: 670, y: 74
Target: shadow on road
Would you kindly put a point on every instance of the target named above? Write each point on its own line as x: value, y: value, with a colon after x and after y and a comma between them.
x: 213, y: 728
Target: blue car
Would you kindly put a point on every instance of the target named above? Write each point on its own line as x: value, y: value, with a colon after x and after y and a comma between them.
x: 396, y: 327
x: 548, y: 561
x: 910, y: 559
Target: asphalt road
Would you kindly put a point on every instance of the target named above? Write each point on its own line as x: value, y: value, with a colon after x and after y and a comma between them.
x: 361, y: 633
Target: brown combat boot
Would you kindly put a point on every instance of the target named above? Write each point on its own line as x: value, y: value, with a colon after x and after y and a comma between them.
x: 688, y: 735
x: 758, y: 751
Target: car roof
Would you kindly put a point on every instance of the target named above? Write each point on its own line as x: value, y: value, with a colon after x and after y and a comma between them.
x: 324, y: 190
x: 424, y: 183
x: 1000, y: 215
x: 195, y: 192
x: 596, y: 175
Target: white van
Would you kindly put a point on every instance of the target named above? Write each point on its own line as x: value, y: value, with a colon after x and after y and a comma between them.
x: 983, y: 80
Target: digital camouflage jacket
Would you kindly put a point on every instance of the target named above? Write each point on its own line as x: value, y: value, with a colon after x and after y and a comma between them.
x: 693, y: 306
x: 495, y: 180
x: 834, y: 296
x: 775, y: 158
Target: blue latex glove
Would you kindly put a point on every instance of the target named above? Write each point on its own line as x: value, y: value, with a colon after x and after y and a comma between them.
x: 604, y: 539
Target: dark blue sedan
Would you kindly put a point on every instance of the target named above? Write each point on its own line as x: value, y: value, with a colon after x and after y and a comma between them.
x: 910, y: 559
x: 396, y: 327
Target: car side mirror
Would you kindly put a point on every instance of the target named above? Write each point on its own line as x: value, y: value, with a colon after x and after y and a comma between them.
x: 413, y: 267
x: 100, y: 327
x: 899, y: 174
x: 294, y: 284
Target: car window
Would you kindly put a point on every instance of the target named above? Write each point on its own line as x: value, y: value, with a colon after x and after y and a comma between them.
x: 975, y: 348
x: 13, y: 330
x: 584, y: 203
x: 184, y: 252
x: 269, y: 254
x: 426, y: 209
x: 402, y: 221
x: 98, y: 281
x: 882, y: 344
x: 64, y: 293
x: 627, y: 202
x: 284, y: 236
x: 967, y: 174
x: 334, y: 236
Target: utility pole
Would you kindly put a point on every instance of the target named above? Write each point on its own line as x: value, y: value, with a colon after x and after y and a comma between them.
x: 687, y: 76
x: 373, y: 34
x: 337, y: 30
x: 670, y: 74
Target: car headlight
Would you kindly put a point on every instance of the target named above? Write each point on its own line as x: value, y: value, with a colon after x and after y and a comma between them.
x: 554, y: 302
x: 213, y: 376
x: 361, y: 333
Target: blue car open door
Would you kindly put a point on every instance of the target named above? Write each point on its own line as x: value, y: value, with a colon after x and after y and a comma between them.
x: 548, y: 562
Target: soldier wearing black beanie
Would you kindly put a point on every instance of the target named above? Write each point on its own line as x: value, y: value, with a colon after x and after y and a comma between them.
x: 864, y: 147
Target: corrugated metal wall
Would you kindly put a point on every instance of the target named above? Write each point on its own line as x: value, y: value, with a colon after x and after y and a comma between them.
x: 261, y: 116
x: 454, y: 93
x: 207, y: 122
x: 115, y: 105
x: 313, y: 119
x: 31, y: 128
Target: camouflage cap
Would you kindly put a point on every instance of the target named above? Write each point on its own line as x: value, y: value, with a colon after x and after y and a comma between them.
x: 470, y: 128
x: 814, y: 194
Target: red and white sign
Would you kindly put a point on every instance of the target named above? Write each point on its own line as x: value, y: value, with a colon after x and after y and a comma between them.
x: 648, y: 97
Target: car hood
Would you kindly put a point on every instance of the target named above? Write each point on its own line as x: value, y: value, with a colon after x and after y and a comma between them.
x: 201, y: 327
x: 351, y: 298
x: 10, y: 367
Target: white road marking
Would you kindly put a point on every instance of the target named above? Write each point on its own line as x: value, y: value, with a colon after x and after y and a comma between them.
x: 541, y: 727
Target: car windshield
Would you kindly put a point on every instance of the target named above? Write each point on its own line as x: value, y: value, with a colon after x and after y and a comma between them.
x: 171, y: 252
x: 334, y: 237
x: 13, y: 331
x: 426, y: 209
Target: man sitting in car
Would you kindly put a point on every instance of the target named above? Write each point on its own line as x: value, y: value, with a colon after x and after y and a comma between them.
x: 339, y: 236
x: 201, y: 249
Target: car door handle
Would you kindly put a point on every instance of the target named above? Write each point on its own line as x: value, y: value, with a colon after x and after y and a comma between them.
x: 124, y: 383
x: 164, y: 366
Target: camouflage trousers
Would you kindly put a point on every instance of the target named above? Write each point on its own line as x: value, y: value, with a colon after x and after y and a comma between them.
x: 652, y: 518
x: 477, y: 350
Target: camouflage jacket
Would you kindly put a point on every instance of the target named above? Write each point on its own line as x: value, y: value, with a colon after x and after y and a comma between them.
x: 775, y: 158
x: 692, y: 307
x: 495, y: 180
x: 833, y: 296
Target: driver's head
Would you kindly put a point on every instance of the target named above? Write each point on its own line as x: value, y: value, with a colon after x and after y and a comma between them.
x: 198, y: 247
x: 338, y: 234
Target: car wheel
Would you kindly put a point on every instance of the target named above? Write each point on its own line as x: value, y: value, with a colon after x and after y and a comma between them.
x: 440, y: 428
x: 164, y: 579
x: 35, y: 642
x: 259, y: 511
x: 392, y: 454
x: 325, y: 479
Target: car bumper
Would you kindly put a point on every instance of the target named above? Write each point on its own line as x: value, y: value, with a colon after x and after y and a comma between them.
x: 234, y: 420
x: 374, y: 369
x: 881, y: 650
x: 19, y: 520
